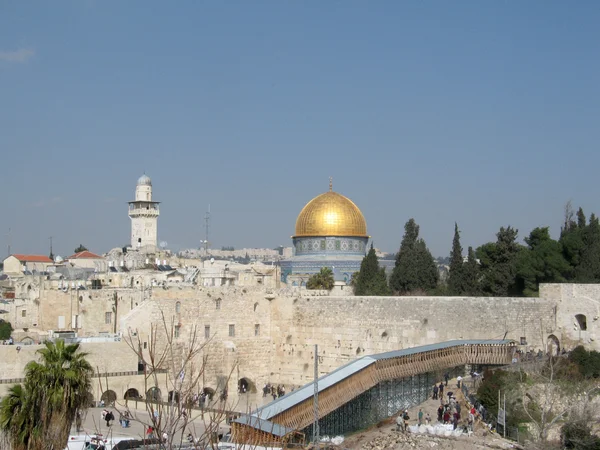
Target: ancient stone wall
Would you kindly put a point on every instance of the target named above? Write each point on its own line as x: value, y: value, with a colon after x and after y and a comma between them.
x: 349, y: 327
x: 577, y: 311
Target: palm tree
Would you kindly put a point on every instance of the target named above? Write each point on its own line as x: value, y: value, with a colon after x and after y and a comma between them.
x: 39, y: 414
x: 321, y: 280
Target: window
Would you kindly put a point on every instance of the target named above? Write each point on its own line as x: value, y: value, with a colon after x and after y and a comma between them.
x: 108, y: 317
x: 256, y: 330
x: 178, y: 307
x: 218, y: 303
x: 145, y: 345
x: 581, y: 321
x: 177, y: 328
x: 523, y: 340
x: 231, y: 330
x: 207, y: 331
x: 23, y: 313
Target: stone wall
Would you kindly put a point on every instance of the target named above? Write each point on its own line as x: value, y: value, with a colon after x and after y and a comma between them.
x: 578, y: 313
x: 346, y: 328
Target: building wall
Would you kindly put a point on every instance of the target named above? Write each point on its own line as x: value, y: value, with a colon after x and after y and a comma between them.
x: 572, y: 301
x: 12, y: 265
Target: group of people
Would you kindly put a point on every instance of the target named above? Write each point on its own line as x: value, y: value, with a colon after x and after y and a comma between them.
x: 275, y: 392
x: 448, y: 413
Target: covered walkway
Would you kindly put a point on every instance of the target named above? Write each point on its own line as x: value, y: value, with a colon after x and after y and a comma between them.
x: 368, y: 389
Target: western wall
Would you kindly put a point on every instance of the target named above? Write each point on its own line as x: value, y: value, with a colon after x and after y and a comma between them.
x: 266, y: 335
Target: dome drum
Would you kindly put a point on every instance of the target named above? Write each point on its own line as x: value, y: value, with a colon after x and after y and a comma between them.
x: 330, y: 245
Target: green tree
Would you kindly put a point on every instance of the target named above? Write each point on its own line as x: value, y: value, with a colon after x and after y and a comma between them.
x: 321, y: 280
x: 498, y: 263
x: 542, y: 262
x: 80, y: 249
x: 415, y: 267
x: 471, y: 274
x: 38, y: 414
x: 6, y: 329
x: 588, y: 269
x: 371, y: 279
x: 571, y: 238
x: 456, y: 275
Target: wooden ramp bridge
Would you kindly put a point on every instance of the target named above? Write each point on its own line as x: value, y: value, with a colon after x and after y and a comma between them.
x: 366, y: 390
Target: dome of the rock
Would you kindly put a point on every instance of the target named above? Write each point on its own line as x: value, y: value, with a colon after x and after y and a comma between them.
x: 331, y: 214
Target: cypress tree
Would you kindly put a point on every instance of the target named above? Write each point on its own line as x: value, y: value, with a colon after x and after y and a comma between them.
x: 415, y: 267
x: 456, y: 276
x: 499, y: 263
x: 371, y: 280
x: 471, y: 274
x: 588, y: 269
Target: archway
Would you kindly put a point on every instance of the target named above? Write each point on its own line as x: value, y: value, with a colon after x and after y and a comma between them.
x: 581, y: 321
x: 153, y: 394
x: 173, y: 396
x: 553, y: 345
x: 246, y: 385
x: 109, y: 398
x: 209, y: 392
x: 131, y: 394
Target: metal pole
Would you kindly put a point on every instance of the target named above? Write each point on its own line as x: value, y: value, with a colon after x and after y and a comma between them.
x: 316, y: 398
x: 504, y: 427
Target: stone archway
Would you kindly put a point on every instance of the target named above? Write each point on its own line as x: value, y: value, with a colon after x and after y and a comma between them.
x: 153, y: 394
x: 131, y: 394
x: 210, y: 393
x: 246, y: 385
x: 553, y: 345
x: 109, y: 398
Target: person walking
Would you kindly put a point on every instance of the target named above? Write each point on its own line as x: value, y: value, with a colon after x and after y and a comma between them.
x: 446, y: 378
x: 420, y: 417
x: 435, y: 392
x: 427, y: 419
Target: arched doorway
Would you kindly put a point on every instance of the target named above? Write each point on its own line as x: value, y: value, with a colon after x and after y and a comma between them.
x: 153, y: 394
x: 209, y: 392
x: 173, y: 396
x: 246, y: 385
x: 131, y: 394
x: 109, y: 398
x: 553, y: 345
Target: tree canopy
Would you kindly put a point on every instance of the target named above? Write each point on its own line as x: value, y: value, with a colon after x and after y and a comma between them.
x: 371, y: 279
x: 80, y: 248
x: 498, y: 263
x: 6, y: 329
x: 415, y: 268
x: 38, y: 414
x: 456, y: 277
x: 321, y: 280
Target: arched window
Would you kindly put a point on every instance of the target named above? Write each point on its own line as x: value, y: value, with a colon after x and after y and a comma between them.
x: 581, y: 321
x: 178, y: 307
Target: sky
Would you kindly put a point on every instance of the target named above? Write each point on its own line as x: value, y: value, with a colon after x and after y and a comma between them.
x: 482, y: 113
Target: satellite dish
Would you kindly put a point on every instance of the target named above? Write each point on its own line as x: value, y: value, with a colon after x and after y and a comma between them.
x: 212, y: 260
x: 163, y: 244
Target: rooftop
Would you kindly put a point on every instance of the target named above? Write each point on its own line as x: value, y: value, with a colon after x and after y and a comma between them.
x: 33, y: 258
x: 84, y: 255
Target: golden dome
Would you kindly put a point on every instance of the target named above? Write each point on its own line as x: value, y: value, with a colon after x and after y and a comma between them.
x: 331, y: 214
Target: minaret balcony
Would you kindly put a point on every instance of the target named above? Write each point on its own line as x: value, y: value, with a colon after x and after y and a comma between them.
x: 144, y: 212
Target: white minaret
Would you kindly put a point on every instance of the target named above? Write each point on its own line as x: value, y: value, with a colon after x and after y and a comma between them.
x: 144, y: 215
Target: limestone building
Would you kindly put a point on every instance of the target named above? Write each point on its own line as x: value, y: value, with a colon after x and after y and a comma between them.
x: 144, y: 216
x: 331, y: 231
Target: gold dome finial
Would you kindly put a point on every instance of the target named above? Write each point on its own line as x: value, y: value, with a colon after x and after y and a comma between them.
x: 330, y: 184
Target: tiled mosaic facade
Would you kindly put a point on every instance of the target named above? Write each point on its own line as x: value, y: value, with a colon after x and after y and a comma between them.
x: 343, y: 255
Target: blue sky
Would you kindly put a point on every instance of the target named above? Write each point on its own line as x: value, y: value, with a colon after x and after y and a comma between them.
x: 484, y: 113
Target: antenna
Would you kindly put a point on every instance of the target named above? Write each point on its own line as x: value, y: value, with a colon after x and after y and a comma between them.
x: 206, y: 228
x: 8, y: 235
x: 51, y: 256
